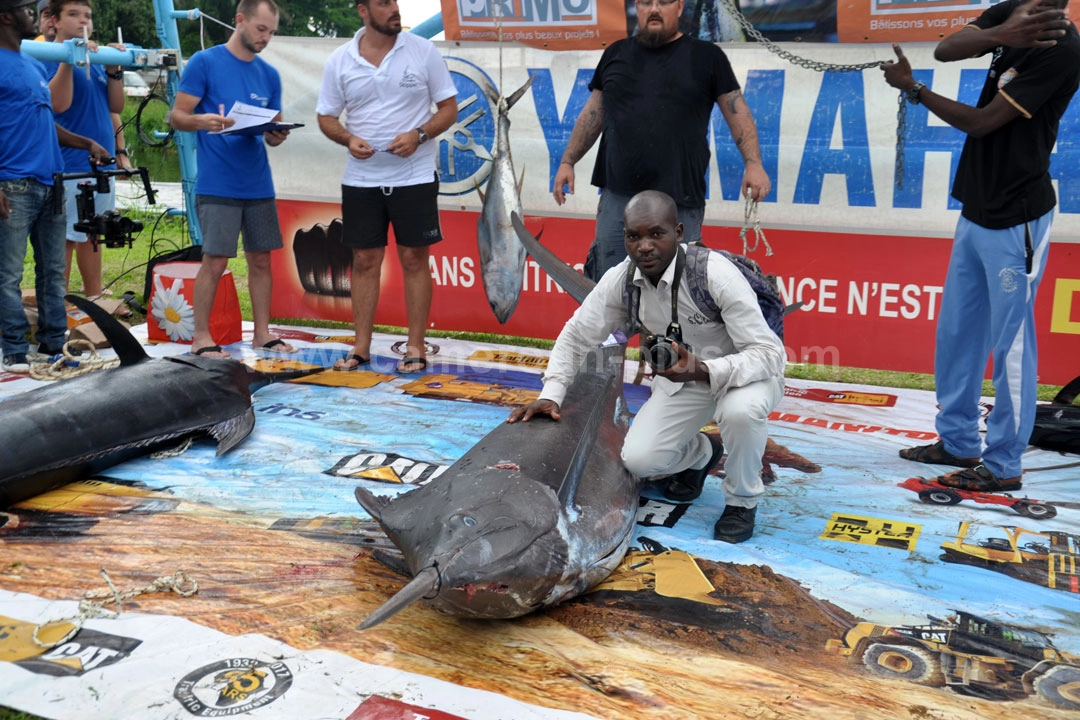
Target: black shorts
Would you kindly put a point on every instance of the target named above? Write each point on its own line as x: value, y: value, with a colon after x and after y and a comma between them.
x: 367, y: 213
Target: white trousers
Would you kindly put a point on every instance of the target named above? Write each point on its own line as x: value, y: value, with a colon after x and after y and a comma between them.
x: 664, y: 437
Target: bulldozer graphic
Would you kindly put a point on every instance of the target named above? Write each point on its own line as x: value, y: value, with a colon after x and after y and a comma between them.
x: 970, y: 655
x: 1049, y: 558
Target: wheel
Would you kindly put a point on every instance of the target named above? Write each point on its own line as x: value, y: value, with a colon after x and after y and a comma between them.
x: 1061, y: 686
x: 1035, y: 511
x: 940, y: 497
x: 903, y: 662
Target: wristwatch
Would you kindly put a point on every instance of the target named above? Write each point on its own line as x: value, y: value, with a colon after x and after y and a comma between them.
x: 913, y: 93
x: 423, y: 135
x: 118, y: 75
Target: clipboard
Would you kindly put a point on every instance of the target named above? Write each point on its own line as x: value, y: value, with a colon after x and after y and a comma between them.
x: 251, y: 130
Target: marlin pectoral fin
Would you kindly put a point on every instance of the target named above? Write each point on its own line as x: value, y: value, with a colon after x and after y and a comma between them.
x: 370, y: 502
x: 120, y: 338
x: 230, y: 432
x: 426, y: 583
x: 584, y: 449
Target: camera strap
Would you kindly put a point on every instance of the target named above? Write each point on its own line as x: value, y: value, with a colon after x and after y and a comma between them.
x: 674, y: 329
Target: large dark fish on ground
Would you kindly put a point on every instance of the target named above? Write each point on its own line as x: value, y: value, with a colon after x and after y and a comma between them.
x: 502, y: 257
x: 70, y: 428
x: 532, y: 515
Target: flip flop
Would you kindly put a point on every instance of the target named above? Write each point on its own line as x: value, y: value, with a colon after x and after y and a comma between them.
x: 406, y: 366
x: 210, y: 349
x: 277, y: 345
x: 936, y: 454
x: 360, y: 362
x: 977, y: 479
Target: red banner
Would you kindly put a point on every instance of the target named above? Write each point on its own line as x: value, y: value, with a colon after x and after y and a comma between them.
x: 869, y: 300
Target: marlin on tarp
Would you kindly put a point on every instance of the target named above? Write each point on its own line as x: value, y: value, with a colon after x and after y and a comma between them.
x: 532, y: 515
x: 502, y: 257
x: 68, y: 429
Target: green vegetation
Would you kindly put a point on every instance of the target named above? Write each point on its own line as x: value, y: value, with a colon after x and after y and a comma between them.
x: 144, y: 120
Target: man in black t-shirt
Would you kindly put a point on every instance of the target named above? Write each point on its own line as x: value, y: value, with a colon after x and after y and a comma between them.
x: 1003, y: 235
x: 652, y: 97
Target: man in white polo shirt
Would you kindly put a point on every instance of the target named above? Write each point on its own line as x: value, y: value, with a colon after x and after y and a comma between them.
x: 386, y: 81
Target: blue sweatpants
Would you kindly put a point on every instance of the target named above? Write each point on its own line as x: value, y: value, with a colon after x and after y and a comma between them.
x: 988, y: 309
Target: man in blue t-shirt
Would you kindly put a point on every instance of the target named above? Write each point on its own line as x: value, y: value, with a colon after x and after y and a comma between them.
x: 29, y: 157
x: 234, y: 191
x: 85, y: 104
x: 1003, y: 234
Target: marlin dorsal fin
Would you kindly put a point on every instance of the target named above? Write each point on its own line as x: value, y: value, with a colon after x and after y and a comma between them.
x: 120, y: 338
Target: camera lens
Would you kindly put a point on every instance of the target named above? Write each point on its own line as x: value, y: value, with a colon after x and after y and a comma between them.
x: 662, y: 355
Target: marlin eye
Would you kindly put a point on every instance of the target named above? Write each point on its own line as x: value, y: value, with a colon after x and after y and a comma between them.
x: 466, y: 520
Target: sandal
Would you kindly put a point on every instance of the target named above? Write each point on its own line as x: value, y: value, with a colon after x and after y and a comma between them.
x: 977, y: 479
x: 936, y: 454
x: 347, y: 365
x: 412, y: 365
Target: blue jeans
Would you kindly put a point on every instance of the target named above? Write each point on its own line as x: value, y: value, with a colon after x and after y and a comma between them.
x: 32, y: 215
x: 609, y: 247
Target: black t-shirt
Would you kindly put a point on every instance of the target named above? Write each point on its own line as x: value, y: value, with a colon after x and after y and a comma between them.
x: 1003, y: 178
x: 657, y: 104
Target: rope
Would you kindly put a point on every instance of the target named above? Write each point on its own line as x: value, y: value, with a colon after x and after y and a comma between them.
x: 175, y: 452
x: 71, y: 362
x: 179, y: 583
x: 752, y: 221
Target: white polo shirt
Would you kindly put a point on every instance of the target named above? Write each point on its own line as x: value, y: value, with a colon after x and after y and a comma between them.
x: 382, y: 102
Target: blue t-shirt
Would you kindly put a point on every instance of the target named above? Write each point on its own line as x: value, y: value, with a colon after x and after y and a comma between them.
x: 28, y: 148
x: 232, y: 166
x: 88, y: 115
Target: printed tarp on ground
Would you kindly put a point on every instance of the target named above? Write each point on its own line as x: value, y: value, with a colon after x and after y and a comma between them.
x: 687, y: 627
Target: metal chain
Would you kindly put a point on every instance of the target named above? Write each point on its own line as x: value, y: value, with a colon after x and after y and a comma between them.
x: 753, y: 32
x: 179, y: 583
x: 751, y: 220
x: 901, y: 132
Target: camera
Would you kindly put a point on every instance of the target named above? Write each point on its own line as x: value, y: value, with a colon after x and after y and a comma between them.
x: 659, y: 350
x: 110, y: 228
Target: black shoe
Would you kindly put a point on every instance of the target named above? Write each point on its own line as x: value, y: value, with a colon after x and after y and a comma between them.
x: 50, y: 352
x: 735, y: 525
x: 686, y: 485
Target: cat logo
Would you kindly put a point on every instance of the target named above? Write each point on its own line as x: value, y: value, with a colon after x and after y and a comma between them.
x: 232, y: 687
x: 88, y: 650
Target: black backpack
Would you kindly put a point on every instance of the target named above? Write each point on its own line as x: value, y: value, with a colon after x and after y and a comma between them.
x: 1057, y: 425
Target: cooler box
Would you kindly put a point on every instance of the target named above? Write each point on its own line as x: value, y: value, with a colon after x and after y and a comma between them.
x: 170, y: 316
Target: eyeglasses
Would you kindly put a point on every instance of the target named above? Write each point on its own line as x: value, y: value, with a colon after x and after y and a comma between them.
x: 650, y: 3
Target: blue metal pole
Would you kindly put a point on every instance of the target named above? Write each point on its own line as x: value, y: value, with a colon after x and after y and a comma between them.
x: 166, y: 16
x: 430, y: 27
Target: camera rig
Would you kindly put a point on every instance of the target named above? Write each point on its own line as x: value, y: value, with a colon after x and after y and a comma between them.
x: 110, y: 228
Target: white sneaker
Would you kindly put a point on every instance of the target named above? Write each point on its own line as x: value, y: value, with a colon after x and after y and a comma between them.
x: 16, y: 363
